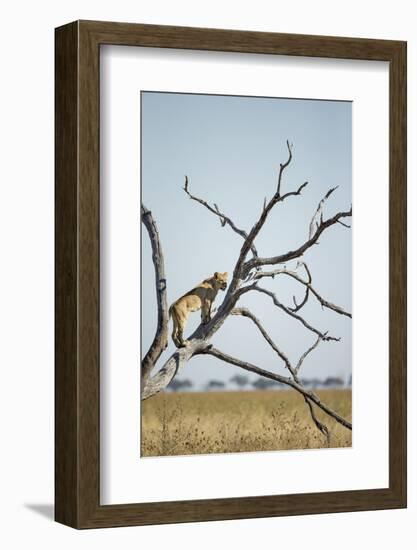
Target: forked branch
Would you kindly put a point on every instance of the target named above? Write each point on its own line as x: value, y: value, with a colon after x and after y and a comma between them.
x: 241, y: 271
x: 307, y: 284
x: 293, y: 371
x: 318, y: 214
x: 307, y: 352
x: 244, y: 312
x: 285, y: 309
x: 294, y: 254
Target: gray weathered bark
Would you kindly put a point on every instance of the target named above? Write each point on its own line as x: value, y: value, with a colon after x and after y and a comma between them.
x: 160, y: 341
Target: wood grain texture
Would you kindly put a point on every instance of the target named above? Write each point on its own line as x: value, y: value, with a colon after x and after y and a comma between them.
x: 66, y: 233
x: 77, y: 371
x: 398, y: 273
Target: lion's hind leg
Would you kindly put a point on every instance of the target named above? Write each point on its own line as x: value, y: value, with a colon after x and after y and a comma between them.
x: 177, y: 331
x: 174, y: 335
x: 180, y: 332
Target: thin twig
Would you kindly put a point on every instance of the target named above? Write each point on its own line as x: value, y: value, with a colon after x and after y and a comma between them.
x: 294, y: 371
x: 318, y: 215
x: 293, y: 274
x: 223, y: 218
x: 281, y: 306
x: 244, y: 312
x: 310, y: 349
x: 294, y: 254
x: 283, y: 166
x: 344, y: 224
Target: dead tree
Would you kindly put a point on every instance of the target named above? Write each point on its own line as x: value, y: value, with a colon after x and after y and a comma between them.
x: 247, y: 276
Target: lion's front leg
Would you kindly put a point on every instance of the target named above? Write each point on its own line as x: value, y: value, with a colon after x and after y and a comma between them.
x: 206, y: 312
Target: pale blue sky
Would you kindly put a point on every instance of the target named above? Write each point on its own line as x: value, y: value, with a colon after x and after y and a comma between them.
x: 230, y: 148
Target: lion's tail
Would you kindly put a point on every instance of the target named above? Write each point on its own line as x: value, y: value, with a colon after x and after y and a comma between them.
x: 172, y: 313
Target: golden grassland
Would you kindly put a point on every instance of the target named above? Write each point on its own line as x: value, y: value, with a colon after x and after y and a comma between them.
x: 240, y: 421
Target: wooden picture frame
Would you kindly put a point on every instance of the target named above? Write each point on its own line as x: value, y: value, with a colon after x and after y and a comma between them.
x: 77, y: 374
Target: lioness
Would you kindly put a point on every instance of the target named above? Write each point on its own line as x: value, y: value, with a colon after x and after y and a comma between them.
x: 200, y: 297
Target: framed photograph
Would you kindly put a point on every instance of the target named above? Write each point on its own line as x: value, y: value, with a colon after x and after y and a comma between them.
x: 230, y: 274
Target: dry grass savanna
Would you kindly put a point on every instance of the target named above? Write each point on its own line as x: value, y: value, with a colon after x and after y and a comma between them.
x: 239, y: 421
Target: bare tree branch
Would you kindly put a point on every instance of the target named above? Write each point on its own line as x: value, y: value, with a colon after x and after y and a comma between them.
x: 299, y: 306
x: 278, y: 378
x: 294, y: 315
x: 223, y: 218
x: 283, y: 166
x: 160, y: 341
x: 246, y: 313
x: 320, y: 426
x: 261, y: 274
x: 344, y: 224
x: 307, y: 284
x: 307, y: 352
x: 163, y: 377
x: 241, y: 269
x: 294, y: 254
x: 307, y: 291
x: 178, y: 359
x: 318, y: 215
x: 294, y: 371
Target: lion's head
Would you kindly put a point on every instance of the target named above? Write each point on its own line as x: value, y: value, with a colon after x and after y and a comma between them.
x: 220, y: 280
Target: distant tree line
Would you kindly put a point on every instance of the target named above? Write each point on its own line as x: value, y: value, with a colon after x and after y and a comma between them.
x: 260, y: 383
